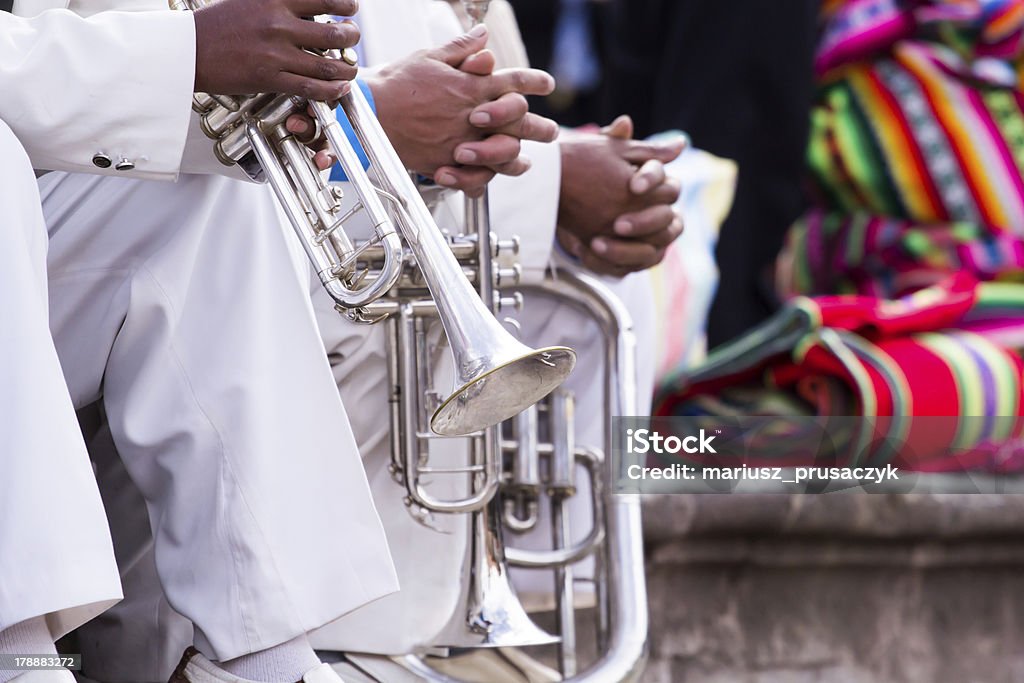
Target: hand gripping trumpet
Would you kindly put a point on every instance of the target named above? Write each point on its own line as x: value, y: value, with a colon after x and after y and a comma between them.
x: 496, y: 376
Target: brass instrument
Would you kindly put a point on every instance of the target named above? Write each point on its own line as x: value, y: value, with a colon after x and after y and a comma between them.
x: 543, y: 461
x: 496, y: 376
x: 615, y: 537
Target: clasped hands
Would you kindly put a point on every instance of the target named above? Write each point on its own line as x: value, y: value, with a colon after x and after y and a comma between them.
x: 452, y: 117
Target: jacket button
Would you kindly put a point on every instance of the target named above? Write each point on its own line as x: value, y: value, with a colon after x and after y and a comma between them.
x: 124, y: 165
x: 101, y: 160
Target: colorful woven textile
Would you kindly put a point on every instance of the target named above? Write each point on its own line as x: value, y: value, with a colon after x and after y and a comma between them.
x: 917, y: 148
x: 939, y: 394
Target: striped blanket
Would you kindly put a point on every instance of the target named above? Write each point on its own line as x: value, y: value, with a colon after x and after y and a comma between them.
x: 930, y: 374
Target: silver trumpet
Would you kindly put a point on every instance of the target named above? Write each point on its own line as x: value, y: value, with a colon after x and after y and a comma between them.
x: 496, y: 376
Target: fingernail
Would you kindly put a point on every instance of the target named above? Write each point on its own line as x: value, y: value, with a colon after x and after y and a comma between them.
x: 480, y: 118
x: 478, y: 30
x: 444, y: 178
x: 599, y: 245
x: 465, y: 156
x: 623, y: 227
x: 641, y: 184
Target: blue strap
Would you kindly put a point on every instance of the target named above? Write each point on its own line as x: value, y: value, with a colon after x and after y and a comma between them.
x: 337, y: 174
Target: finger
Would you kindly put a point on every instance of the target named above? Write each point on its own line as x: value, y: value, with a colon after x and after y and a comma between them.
x: 531, y: 127
x: 311, y: 88
x: 600, y: 266
x: 324, y: 160
x: 638, y: 152
x: 329, y: 36
x: 504, y: 111
x: 666, y: 193
x: 457, y: 50
x: 647, y: 177
x: 306, y: 64
x: 479, y: 64
x: 625, y: 253
x: 491, y: 151
x: 302, y: 127
x: 470, y: 179
x: 516, y: 167
x: 569, y: 241
x: 621, y: 128
x: 525, y: 81
x: 657, y: 225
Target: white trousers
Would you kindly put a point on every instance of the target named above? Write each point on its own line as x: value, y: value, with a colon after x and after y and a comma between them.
x: 55, y: 554
x: 181, y: 306
x: 427, y: 560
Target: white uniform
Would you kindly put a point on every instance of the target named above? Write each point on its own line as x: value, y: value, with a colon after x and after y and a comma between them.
x: 427, y: 561
x: 182, y: 307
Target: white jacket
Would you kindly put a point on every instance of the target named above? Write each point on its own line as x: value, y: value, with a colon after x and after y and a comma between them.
x: 79, y: 90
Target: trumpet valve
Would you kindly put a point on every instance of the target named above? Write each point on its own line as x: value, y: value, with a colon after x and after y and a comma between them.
x: 506, y: 246
x: 562, y: 466
x: 330, y: 199
x: 504, y: 303
x: 506, y: 277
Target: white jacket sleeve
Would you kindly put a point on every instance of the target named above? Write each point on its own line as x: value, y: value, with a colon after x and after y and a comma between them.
x: 116, y: 86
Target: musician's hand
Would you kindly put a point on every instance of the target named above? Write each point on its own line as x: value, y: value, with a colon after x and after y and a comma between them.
x: 615, y: 210
x: 303, y: 127
x: 251, y: 46
x: 431, y: 126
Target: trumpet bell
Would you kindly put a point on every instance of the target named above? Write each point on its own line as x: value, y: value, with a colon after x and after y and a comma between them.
x: 488, y: 613
x: 498, y: 621
x: 502, y: 389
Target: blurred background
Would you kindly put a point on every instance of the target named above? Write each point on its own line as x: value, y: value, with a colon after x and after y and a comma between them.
x: 880, y: 154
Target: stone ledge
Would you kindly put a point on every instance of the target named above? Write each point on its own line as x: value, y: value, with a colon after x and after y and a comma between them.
x: 914, y: 588
x: 869, y: 516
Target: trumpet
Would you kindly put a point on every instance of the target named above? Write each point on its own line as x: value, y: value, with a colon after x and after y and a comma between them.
x: 496, y: 375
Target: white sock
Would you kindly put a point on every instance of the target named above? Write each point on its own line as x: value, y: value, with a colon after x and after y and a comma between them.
x: 31, y: 637
x: 284, y: 663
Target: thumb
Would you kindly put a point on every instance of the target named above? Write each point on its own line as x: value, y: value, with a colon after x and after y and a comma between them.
x: 621, y: 128
x: 479, y: 63
x: 664, y: 151
x: 455, y: 51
